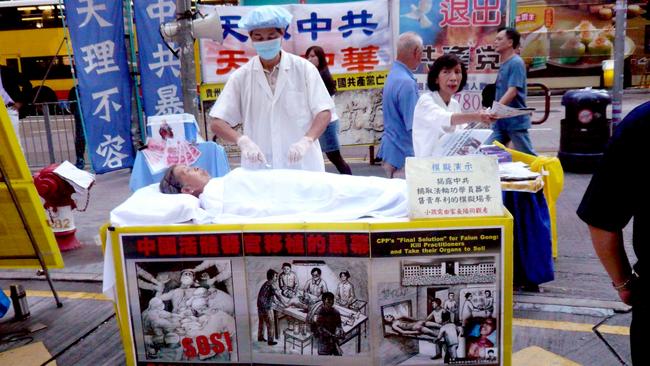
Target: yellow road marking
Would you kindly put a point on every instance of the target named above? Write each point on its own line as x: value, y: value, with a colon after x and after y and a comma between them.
x: 569, y: 326
x: 519, y: 322
x: 66, y: 295
x: 536, y: 356
x: 31, y: 354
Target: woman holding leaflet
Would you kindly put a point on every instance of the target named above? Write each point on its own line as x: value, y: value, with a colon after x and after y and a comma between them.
x: 436, y: 112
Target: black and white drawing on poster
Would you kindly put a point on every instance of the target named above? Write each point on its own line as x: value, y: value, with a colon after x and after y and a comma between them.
x: 442, y: 311
x: 449, y: 272
x: 308, y: 306
x: 182, y: 310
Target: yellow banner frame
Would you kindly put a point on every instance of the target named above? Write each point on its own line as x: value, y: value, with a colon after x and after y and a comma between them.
x: 13, y: 233
x: 504, y: 223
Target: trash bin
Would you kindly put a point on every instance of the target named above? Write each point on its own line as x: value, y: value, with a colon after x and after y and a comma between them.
x: 584, y: 130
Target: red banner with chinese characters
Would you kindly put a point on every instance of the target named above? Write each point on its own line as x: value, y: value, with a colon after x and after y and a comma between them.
x: 306, y: 244
x: 465, y: 28
x: 356, y: 38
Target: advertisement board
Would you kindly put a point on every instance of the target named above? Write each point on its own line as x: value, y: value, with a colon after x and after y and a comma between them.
x: 572, y: 38
x: 465, y: 28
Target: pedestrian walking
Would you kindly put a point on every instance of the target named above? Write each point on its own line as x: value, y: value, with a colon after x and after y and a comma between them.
x: 14, y: 91
x: 511, y: 91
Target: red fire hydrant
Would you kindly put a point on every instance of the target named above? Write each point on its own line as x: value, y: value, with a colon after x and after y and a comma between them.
x: 59, y: 204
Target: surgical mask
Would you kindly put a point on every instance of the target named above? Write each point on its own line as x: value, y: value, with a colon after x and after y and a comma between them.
x: 268, y: 49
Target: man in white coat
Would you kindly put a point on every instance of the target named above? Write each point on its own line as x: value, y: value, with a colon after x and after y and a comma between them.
x: 279, y: 98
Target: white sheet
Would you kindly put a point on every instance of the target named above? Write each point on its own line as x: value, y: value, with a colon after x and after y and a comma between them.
x: 278, y: 195
x: 245, y: 195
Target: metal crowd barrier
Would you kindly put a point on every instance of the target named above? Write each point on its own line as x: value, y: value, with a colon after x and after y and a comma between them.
x: 47, y: 134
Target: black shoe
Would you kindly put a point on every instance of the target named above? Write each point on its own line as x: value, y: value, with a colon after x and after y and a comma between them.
x: 261, y: 339
x: 436, y: 357
x: 272, y: 343
x: 80, y: 164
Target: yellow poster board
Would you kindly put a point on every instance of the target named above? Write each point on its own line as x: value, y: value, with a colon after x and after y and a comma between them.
x: 472, y: 257
x: 13, y: 233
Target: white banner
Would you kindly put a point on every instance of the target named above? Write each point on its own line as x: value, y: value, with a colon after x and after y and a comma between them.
x: 356, y: 37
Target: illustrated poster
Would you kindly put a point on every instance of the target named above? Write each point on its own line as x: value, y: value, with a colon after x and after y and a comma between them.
x: 182, y: 297
x: 312, y: 299
x: 437, y: 296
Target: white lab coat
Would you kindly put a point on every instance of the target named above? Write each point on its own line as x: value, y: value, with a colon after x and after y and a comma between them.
x: 431, y: 120
x: 274, y: 121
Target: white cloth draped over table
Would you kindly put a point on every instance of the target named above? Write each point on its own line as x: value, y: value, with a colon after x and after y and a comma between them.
x: 269, y: 195
x: 294, y: 195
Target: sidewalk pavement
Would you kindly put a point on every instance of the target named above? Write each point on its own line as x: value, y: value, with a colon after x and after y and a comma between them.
x: 580, y: 281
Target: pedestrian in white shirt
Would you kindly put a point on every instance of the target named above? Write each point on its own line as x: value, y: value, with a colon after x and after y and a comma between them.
x: 436, y: 112
x: 279, y: 98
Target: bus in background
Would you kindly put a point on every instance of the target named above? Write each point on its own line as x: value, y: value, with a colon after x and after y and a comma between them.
x: 33, y: 41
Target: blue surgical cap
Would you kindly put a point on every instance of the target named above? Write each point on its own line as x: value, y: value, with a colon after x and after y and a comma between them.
x: 268, y: 16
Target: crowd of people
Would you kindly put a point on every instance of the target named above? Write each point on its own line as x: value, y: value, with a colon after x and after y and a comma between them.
x: 304, y: 124
x: 413, y: 125
x: 291, y: 129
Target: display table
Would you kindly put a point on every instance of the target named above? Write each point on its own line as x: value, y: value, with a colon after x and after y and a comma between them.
x: 213, y: 159
x: 553, y: 177
x: 396, y: 266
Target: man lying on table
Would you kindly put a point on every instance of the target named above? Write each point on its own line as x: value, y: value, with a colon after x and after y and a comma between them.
x: 278, y: 193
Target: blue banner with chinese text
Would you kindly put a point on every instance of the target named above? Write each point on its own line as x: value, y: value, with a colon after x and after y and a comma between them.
x: 159, y: 69
x: 97, y: 33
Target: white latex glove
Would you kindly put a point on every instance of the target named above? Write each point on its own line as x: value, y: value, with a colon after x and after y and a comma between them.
x: 250, y: 151
x: 298, y: 150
